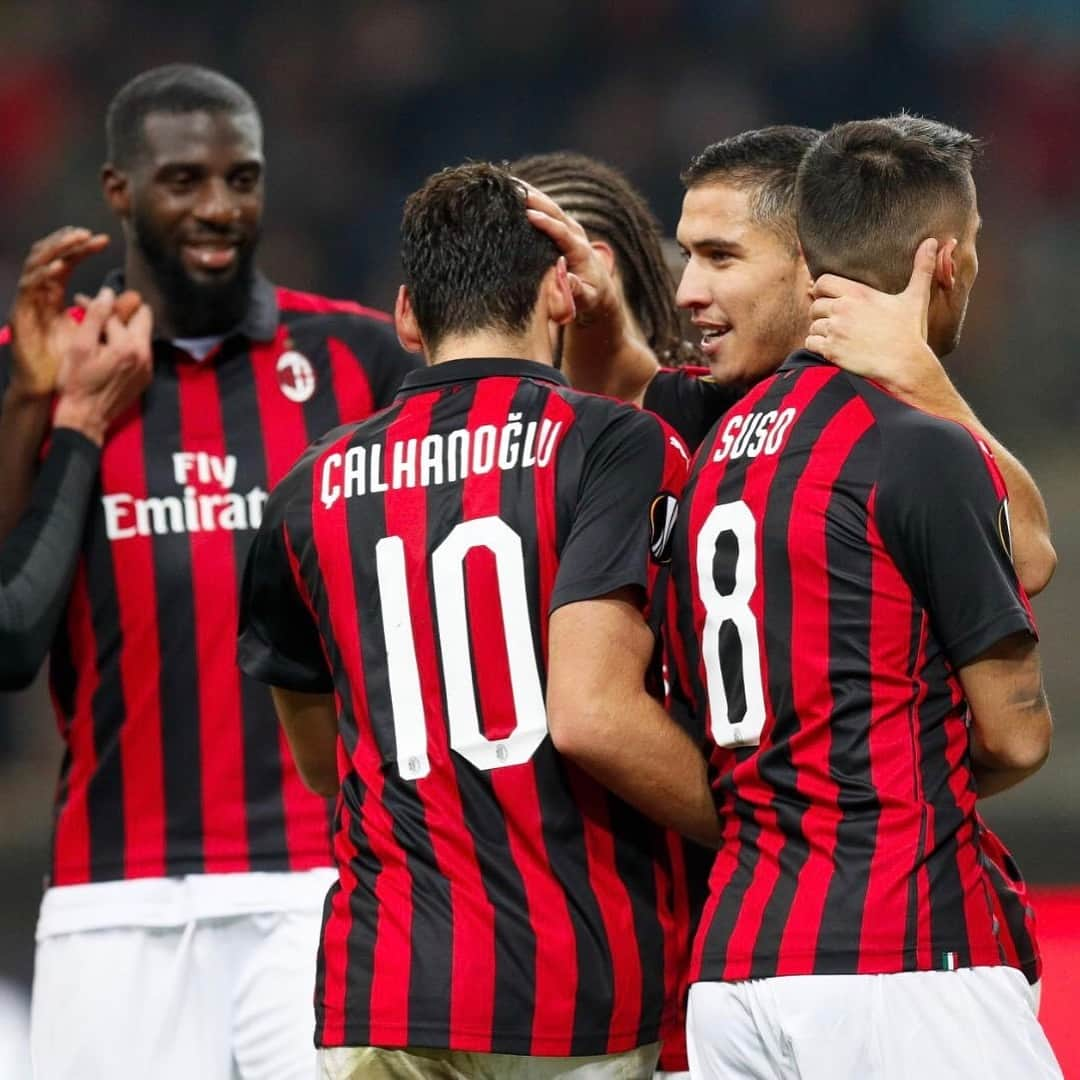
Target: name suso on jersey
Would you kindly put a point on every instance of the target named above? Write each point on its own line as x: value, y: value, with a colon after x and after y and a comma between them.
x: 839, y: 556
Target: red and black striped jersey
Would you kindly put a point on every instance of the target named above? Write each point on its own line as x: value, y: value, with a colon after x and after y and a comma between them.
x: 174, y: 762
x: 492, y: 897
x: 839, y: 556
x: 690, y: 400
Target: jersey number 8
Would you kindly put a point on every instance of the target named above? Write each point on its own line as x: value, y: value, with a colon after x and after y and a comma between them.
x: 455, y: 659
x: 731, y: 607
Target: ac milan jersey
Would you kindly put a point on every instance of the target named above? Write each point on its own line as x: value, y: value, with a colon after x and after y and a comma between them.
x: 492, y: 896
x: 840, y: 555
x: 689, y: 400
x: 174, y: 763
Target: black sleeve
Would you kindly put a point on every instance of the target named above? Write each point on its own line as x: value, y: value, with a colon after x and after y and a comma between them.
x: 38, y: 559
x: 279, y: 641
x: 607, y: 547
x: 689, y: 402
x: 943, y: 515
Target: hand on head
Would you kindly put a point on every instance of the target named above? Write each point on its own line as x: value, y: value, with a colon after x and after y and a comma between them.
x: 869, y: 332
x: 591, y: 282
x: 106, y: 363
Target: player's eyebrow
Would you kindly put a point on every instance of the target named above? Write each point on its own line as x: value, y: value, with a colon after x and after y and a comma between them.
x: 715, y: 243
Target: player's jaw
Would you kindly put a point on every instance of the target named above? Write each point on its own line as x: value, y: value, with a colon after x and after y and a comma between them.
x: 204, y: 275
x: 747, y: 347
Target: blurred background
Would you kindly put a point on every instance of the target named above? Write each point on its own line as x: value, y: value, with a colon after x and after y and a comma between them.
x: 362, y: 100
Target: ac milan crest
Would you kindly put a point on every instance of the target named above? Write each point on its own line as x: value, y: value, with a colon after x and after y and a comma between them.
x: 296, y: 376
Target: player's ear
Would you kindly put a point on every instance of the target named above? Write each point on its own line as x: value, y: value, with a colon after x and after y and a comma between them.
x: 557, y: 294
x: 408, y: 329
x: 117, y: 190
x: 945, y: 270
x: 606, y: 253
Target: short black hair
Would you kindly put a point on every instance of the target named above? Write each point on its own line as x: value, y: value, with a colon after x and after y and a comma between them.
x: 872, y: 190
x: 764, y: 162
x: 472, y: 260
x: 174, y: 88
x: 611, y: 209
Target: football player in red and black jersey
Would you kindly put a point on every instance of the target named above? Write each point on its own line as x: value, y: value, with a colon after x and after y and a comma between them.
x: 450, y: 602
x: 852, y: 632
x: 189, y: 861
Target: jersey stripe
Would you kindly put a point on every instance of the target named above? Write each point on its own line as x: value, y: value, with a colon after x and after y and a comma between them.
x: 811, y: 881
x: 214, y: 590
x: 304, y: 815
x: 893, y: 749
x: 352, y: 391
x: 140, y: 669
x: 340, y: 939
x: 850, y: 577
x: 515, y: 794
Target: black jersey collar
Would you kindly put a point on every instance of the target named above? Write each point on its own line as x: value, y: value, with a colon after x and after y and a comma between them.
x: 802, y: 358
x: 260, y: 321
x: 467, y: 369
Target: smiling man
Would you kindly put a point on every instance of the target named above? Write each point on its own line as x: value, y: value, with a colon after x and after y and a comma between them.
x: 177, y: 937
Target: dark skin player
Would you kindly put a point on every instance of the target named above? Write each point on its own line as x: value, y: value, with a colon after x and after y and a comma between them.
x: 190, y: 205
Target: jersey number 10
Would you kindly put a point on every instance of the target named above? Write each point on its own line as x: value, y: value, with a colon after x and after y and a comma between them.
x: 455, y: 658
x: 732, y: 607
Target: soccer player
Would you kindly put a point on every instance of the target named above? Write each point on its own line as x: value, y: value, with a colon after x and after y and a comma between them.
x: 759, y: 284
x: 451, y: 597
x: 864, y: 659
x: 178, y: 933
x: 105, y: 366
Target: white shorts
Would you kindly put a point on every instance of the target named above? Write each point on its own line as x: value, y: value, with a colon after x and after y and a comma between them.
x: 971, y: 1024
x: 218, y: 995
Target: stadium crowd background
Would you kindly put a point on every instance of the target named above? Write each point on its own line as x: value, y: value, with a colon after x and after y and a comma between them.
x: 362, y: 100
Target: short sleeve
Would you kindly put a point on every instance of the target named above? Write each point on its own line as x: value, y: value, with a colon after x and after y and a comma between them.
x: 942, y: 510
x: 689, y: 400
x: 632, y: 476
x: 279, y: 642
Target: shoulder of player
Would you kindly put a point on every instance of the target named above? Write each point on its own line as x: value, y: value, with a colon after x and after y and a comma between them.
x: 311, y: 317
x: 598, y: 411
x: 293, y: 302
x: 907, y: 428
x: 921, y: 451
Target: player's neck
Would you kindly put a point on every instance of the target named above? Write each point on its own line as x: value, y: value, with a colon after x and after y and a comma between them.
x: 534, y: 344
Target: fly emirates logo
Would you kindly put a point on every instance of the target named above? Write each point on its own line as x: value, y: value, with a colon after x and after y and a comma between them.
x: 194, y: 508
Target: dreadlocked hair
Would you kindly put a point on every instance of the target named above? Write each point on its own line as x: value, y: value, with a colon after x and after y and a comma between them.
x: 609, y: 208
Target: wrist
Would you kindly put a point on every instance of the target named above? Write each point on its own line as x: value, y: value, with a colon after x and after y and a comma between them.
x: 923, y: 382
x: 81, y: 415
x: 22, y: 390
